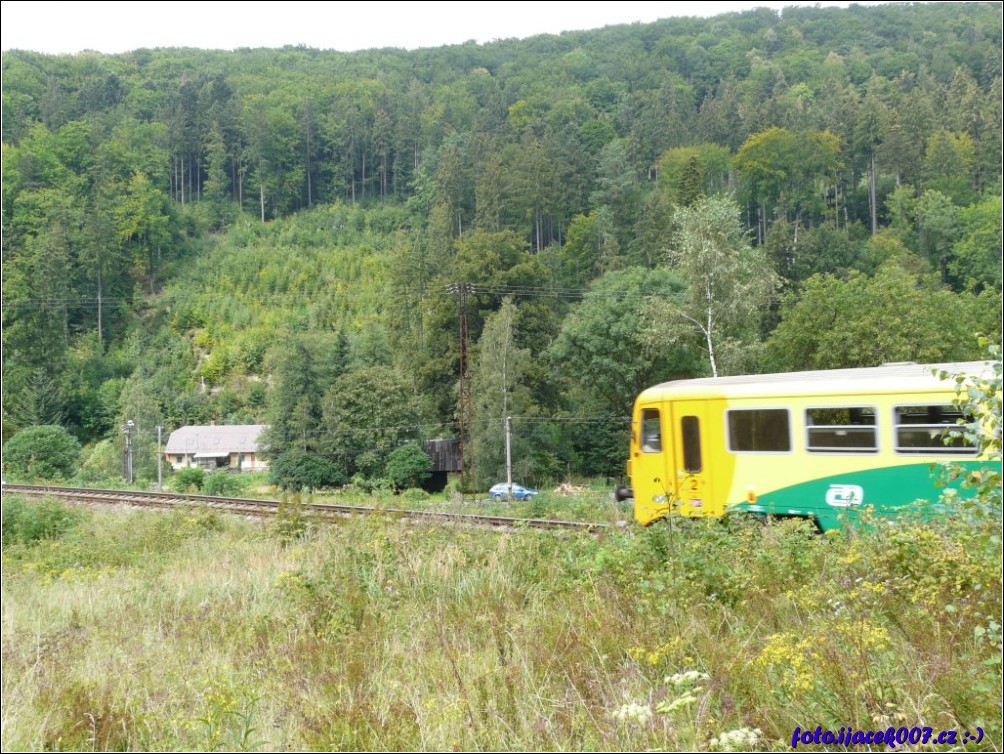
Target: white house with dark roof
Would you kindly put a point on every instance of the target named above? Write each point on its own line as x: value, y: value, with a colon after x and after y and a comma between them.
x: 235, y: 447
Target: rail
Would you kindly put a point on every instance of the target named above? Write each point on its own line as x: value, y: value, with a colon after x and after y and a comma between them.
x: 264, y: 508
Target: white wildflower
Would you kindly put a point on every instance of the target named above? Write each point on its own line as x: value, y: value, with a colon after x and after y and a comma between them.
x: 638, y: 714
x: 740, y: 739
x: 687, y: 678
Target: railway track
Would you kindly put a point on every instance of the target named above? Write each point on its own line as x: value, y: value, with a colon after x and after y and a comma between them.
x: 266, y: 508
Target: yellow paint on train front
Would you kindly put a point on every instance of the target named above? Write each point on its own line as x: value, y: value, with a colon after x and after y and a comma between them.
x: 662, y: 480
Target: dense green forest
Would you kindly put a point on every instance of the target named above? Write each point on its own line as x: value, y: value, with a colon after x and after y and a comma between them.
x: 269, y: 235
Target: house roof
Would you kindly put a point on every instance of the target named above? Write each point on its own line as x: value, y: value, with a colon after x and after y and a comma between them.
x: 216, y: 440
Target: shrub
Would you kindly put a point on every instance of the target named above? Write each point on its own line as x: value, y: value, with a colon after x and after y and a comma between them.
x: 296, y: 470
x: 291, y: 519
x: 980, y: 399
x: 414, y: 495
x: 43, y: 452
x: 25, y: 523
x: 223, y: 485
x: 104, y: 461
x: 408, y: 466
x: 369, y: 485
x: 187, y: 480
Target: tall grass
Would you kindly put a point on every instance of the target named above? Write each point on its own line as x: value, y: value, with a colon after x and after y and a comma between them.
x: 190, y: 630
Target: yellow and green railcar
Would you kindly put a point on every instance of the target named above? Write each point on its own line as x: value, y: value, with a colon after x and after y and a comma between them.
x: 808, y: 444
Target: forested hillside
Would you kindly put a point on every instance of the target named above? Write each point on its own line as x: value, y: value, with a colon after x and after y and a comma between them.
x: 269, y: 235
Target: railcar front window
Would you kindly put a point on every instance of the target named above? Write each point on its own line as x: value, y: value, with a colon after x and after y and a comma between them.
x: 651, y: 431
x: 841, y: 430
x: 922, y: 429
x: 765, y: 430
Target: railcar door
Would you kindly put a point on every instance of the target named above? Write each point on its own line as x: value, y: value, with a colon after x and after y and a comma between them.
x: 692, y: 459
x: 650, y: 463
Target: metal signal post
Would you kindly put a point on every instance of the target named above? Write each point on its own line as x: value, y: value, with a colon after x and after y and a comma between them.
x: 127, y: 460
x: 160, y: 461
x: 508, y: 457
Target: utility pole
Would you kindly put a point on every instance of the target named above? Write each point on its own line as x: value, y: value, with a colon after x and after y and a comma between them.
x: 464, y: 401
x: 160, y: 462
x: 508, y: 456
x: 129, y: 425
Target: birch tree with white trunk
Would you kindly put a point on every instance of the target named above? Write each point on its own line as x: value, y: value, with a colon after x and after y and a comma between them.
x: 731, y: 283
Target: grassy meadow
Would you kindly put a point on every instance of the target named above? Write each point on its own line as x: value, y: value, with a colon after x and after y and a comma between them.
x: 196, y: 630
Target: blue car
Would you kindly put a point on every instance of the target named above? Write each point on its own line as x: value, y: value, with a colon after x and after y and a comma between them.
x: 519, y: 492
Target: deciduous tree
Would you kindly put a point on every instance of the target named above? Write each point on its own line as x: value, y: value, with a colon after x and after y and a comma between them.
x: 730, y: 283
x: 862, y: 321
x: 367, y: 413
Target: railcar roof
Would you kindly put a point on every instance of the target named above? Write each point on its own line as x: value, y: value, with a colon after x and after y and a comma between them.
x: 888, y: 379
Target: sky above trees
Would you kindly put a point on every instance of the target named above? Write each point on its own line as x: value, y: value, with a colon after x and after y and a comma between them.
x: 70, y: 27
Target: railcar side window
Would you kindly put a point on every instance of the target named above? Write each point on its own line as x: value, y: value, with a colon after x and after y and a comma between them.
x: 762, y: 430
x: 921, y: 429
x: 841, y: 430
x: 651, y: 431
x: 690, y: 427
